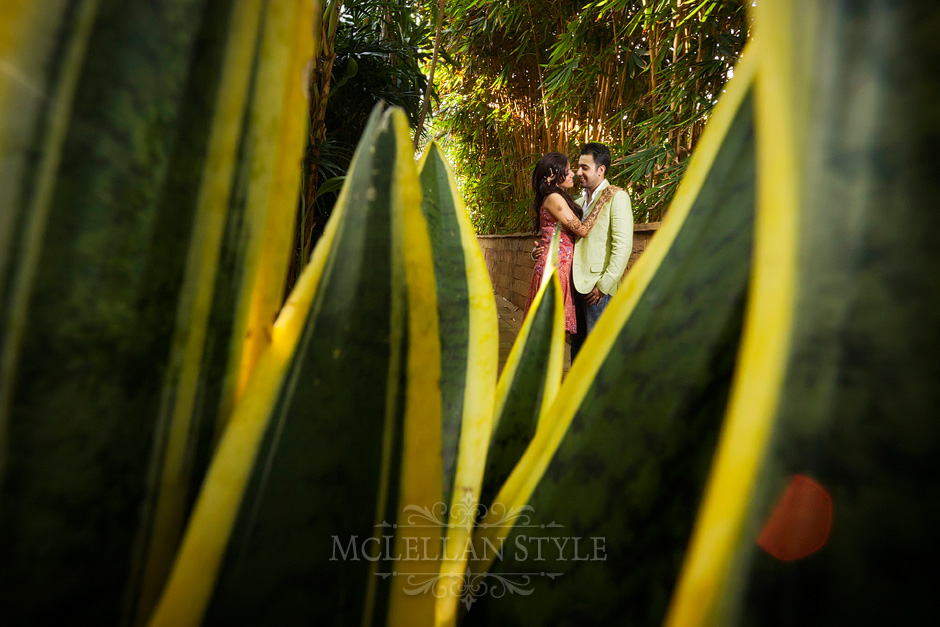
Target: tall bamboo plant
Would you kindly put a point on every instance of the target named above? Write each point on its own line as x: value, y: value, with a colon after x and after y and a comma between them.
x: 370, y: 51
x: 641, y: 76
x: 321, y: 75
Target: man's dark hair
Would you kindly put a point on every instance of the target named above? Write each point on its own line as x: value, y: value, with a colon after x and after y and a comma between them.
x: 600, y: 153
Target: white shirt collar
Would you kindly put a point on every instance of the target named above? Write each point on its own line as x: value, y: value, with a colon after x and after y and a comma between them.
x: 589, y: 198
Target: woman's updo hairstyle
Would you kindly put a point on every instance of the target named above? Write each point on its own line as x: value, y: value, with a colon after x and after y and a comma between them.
x: 551, y: 170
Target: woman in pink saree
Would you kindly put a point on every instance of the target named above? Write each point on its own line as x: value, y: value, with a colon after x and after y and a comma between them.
x: 551, y: 180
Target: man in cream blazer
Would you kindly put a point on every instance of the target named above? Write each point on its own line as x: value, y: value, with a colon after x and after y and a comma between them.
x: 600, y: 258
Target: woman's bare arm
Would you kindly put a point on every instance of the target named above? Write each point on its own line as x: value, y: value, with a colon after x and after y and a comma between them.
x: 557, y: 206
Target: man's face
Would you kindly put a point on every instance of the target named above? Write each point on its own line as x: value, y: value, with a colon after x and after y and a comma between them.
x: 589, y: 173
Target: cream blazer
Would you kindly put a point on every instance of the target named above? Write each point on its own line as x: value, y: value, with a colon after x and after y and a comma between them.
x: 601, y: 258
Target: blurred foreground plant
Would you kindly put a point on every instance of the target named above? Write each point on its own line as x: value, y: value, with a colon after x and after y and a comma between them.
x: 375, y: 471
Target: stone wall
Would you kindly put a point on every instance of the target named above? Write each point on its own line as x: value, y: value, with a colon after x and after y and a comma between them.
x: 510, y: 266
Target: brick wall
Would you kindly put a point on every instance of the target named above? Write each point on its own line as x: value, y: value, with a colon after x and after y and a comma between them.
x: 510, y: 266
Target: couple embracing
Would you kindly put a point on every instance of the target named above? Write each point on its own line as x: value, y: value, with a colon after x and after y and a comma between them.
x: 596, y: 235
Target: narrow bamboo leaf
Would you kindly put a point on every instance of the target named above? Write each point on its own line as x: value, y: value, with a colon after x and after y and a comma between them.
x: 99, y: 281
x: 290, y: 544
x: 849, y: 399
x: 608, y: 488
x: 330, y: 185
x: 469, y: 337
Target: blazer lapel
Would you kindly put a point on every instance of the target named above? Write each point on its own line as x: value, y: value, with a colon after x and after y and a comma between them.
x: 597, y: 194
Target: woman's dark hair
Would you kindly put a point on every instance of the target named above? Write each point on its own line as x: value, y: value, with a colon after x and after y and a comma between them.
x: 548, y: 173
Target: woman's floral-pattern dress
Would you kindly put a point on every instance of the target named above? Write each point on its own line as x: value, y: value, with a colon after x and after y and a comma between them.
x: 547, y: 223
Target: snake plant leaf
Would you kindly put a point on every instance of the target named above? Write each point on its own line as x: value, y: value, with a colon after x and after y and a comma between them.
x: 207, y: 339
x: 526, y: 389
x: 551, y: 262
x: 469, y: 337
x: 468, y: 329
x: 605, y: 496
x: 276, y: 535
x: 34, y: 107
x: 530, y: 379
x: 845, y: 395
x: 104, y: 328
x: 277, y: 123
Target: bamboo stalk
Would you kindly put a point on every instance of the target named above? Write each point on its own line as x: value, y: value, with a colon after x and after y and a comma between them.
x: 327, y: 22
x: 430, y: 86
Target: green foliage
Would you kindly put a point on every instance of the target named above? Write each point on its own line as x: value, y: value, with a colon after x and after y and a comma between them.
x: 530, y: 379
x: 636, y: 446
x: 380, y: 49
x: 532, y: 77
x: 397, y: 263
x: 138, y: 213
x: 783, y: 318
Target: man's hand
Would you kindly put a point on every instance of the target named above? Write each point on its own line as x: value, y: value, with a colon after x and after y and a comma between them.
x: 594, y: 296
x: 536, y: 253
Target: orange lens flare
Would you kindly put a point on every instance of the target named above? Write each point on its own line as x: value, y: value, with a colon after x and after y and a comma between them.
x: 800, y: 524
